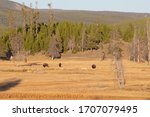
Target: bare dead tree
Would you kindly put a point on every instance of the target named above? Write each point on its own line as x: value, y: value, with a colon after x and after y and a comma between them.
x: 24, y: 19
x: 138, y: 50
x: 143, y: 50
x: 136, y: 46
x: 50, y: 13
x: 148, y: 38
x: 36, y: 18
x: 16, y: 39
x: 116, y: 52
x: 71, y: 44
x: 12, y: 26
x: 83, y: 40
x: 11, y: 20
x: 31, y: 18
x: 17, y: 43
x: 53, y: 50
x: 50, y: 19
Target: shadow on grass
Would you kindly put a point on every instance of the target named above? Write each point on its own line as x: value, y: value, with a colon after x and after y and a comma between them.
x: 9, y: 84
x: 4, y: 58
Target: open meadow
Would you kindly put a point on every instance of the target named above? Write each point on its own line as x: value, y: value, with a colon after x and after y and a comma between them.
x: 74, y: 80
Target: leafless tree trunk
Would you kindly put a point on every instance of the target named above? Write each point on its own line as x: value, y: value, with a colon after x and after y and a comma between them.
x: 36, y: 19
x: 53, y: 51
x: 24, y: 19
x: 83, y: 40
x: 148, y: 39
x: 119, y: 72
x: 135, y: 54
x: 50, y: 19
x: 117, y: 58
x: 31, y: 19
x: 134, y: 45
x: 51, y: 15
x: 138, y: 50
x: 11, y: 20
x: 71, y: 44
x: 15, y: 38
x: 16, y: 41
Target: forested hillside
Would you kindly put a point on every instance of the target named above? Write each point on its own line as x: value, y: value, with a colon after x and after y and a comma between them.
x: 35, y: 35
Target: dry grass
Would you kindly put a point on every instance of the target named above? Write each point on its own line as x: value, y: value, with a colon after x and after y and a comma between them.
x: 75, y: 80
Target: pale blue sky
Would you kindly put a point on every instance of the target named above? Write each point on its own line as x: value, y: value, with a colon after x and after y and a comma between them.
x: 96, y: 5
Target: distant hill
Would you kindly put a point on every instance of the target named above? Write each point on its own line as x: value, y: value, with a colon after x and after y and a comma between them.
x: 95, y: 16
x: 6, y: 5
x: 71, y: 15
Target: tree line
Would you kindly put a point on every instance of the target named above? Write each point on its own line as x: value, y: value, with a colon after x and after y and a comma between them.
x: 35, y: 36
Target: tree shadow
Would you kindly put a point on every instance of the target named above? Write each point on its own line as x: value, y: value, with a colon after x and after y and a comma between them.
x: 6, y: 85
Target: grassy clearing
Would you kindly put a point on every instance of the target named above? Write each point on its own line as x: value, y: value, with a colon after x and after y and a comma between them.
x: 75, y: 80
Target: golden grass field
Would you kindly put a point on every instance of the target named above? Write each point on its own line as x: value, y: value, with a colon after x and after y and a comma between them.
x: 74, y: 80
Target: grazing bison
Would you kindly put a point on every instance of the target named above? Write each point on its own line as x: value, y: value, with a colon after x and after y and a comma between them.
x: 45, y: 65
x: 60, y: 65
x: 93, y: 66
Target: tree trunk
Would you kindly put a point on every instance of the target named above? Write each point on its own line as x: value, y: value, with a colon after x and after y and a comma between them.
x: 148, y: 39
x: 83, y: 38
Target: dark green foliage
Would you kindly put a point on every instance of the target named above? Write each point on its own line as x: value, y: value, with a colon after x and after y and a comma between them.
x: 35, y: 35
x: 70, y: 35
x: 126, y: 31
x: 29, y: 41
x: 4, y: 43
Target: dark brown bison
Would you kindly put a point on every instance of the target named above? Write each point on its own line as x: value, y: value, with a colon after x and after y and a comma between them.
x: 45, y: 65
x: 60, y: 65
x: 93, y: 66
